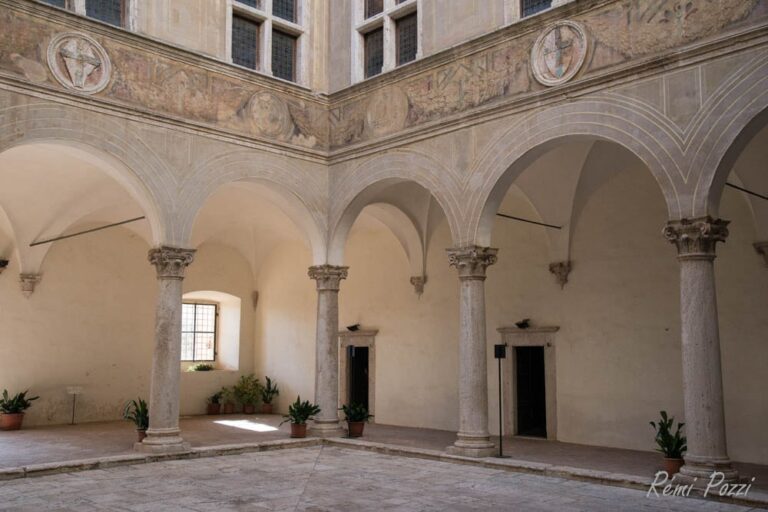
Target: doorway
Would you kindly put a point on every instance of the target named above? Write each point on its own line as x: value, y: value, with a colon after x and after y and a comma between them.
x: 531, y: 392
x: 357, y: 358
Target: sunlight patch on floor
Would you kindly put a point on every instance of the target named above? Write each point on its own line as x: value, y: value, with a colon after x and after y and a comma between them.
x: 247, y: 425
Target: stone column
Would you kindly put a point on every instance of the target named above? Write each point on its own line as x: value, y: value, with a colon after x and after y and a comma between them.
x: 702, y: 375
x: 473, y: 439
x: 328, y: 278
x: 163, y: 435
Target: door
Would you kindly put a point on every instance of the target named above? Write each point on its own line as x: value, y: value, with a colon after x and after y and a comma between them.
x: 531, y: 395
x: 357, y: 358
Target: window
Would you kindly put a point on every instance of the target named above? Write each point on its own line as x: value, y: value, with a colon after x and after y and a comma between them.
x: 285, y: 9
x: 198, y: 332
x: 374, y: 52
x: 533, y: 6
x: 57, y: 3
x: 407, y: 39
x: 373, y: 7
x: 108, y: 11
x: 256, y: 4
x: 283, y: 55
x: 245, y: 42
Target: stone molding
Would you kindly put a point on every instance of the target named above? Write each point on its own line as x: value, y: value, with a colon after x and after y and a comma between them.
x: 328, y: 277
x: 171, y: 262
x: 762, y: 249
x: 79, y: 62
x: 696, y: 238
x: 3, y: 265
x: 418, y: 283
x: 28, y: 283
x: 555, y: 60
x: 472, y: 261
x: 561, y: 269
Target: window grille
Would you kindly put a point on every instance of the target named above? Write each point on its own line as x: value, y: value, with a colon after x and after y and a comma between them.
x: 374, y: 52
x: 533, y: 6
x: 250, y: 3
x: 373, y: 7
x: 407, y: 39
x: 245, y: 42
x: 198, y: 332
x: 283, y: 55
x: 285, y: 9
x: 57, y: 3
x: 108, y: 11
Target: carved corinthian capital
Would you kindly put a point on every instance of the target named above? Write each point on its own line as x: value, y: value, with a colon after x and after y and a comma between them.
x: 171, y: 262
x: 696, y: 238
x: 328, y: 277
x: 472, y: 261
x: 762, y: 249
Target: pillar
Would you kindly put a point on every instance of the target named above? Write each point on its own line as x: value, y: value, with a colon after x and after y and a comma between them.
x: 328, y: 279
x: 702, y: 374
x: 164, y: 435
x: 473, y: 439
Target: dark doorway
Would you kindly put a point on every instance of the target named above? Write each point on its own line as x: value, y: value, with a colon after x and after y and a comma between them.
x: 531, y: 395
x: 357, y: 358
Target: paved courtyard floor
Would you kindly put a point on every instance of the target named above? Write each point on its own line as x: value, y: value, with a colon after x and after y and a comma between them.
x: 322, y: 478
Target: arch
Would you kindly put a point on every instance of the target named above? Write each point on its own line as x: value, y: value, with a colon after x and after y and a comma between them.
x: 298, y: 193
x: 406, y: 232
x: 595, y: 119
x: 112, y: 145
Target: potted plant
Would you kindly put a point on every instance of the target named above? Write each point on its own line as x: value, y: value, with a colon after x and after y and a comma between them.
x: 298, y: 414
x: 138, y: 412
x: 214, y: 403
x: 671, y: 445
x: 228, y: 399
x: 12, y: 409
x: 201, y: 367
x: 357, y: 416
x: 268, y: 394
x: 247, y: 392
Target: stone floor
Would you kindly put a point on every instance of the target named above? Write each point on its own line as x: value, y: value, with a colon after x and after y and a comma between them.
x: 322, y: 478
x: 90, y: 440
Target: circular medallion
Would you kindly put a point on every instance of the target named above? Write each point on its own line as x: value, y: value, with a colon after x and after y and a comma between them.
x: 269, y: 115
x: 387, y: 111
x: 559, y: 53
x: 79, y: 62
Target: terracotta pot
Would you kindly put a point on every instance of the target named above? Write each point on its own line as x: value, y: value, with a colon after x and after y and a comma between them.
x: 298, y: 430
x: 214, y: 409
x: 11, y: 421
x: 141, y: 434
x: 266, y: 408
x: 228, y: 409
x: 672, y: 466
x: 355, y: 428
x: 249, y: 409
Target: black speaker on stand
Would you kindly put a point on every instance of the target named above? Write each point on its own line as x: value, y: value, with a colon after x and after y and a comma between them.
x: 499, y: 353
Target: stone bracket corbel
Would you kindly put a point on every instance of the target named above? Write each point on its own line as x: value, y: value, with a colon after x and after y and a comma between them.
x: 418, y: 283
x: 28, y: 283
x: 3, y: 265
x: 762, y: 249
x: 561, y: 269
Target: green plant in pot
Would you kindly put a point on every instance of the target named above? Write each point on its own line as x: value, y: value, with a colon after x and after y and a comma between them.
x: 201, y: 367
x: 356, y: 416
x: 268, y: 395
x: 671, y: 445
x: 298, y: 414
x: 228, y: 400
x: 137, y: 412
x: 247, y: 392
x: 12, y: 409
x: 214, y: 403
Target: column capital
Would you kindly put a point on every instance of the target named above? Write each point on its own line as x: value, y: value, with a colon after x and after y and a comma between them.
x: 762, y: 249
x: 471, y: 261
x: 696, y: 238
x: 171, y: 262
x: 328, y: 277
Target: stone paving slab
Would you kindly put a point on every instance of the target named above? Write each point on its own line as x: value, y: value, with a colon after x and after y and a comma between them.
x: 323, y: 478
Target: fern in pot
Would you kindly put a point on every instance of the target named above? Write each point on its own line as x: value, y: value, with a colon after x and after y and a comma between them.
x: 673, y: 446
x: 356, y: 416
x: 214, y: 404
x: 268, y: 395
x: 298, y: 414
x: 12, y: 409
x: 137, y: 412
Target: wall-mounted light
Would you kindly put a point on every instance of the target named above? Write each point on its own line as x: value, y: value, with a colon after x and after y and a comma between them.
x: 3, y: 264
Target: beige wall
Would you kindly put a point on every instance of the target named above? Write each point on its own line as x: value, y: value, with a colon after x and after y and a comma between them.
x: 195, y: 24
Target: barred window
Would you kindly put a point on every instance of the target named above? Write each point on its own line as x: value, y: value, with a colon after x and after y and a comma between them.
x: 57, y: 3
x: 108, y: 11
x: 250, y: 3
x: 407, y: 39
x: 245, y: 42
x: 374, y: 52
x: 285, y: 9
x: 533, y: 6
x: 198, y: 332
x: 283, y: 55
x: 373, y: 7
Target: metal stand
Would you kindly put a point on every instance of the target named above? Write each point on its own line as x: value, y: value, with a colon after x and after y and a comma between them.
x: 500, y: 352
x: 74, y: 401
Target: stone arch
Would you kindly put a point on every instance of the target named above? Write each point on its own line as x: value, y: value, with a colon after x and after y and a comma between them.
x: 406, y: 232
x: 298, y: 193
x: 610, y: 120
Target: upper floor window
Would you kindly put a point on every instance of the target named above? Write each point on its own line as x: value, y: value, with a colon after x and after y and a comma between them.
x: 373, y: 7
x: 198, y: 331
x: 269, y: 36
x: 114, y: 12
x: 530, y: 7
x: 407, y: 39
x: 374, y: 52
x: 387, y: 41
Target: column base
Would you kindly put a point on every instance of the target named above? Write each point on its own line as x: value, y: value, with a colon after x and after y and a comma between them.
x: 160, y: 442
x: 326, y: 429
x: 472, y: 446
x: 702, y: 469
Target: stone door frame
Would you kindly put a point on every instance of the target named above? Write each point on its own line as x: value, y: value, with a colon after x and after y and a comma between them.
x: 361, y: 338
x: 531, y: 337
